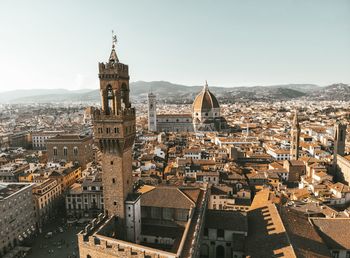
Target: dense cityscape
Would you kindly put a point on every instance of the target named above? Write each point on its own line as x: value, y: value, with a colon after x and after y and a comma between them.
x: 141, y: 178
x: 175, y: 129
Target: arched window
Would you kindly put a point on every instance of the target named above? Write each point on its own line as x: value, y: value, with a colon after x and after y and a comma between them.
x: 75, y: 151
x: 65, y: 151
x: 110, y: 97
x: 124, y: 95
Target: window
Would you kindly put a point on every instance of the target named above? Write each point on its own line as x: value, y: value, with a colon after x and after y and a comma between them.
x: 220, y: 233
x: 113, y: 180
x: 112, y: 162
x: 206, y: 232
x: 115, y: 203
x: 156, y: 212
x: 55, y: 151
x: 167, y: 213
x: 75, y: 151
x: 65, y: 151
x: 335, y: 254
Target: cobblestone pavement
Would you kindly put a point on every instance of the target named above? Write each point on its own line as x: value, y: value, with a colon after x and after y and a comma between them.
x: 60, y: 245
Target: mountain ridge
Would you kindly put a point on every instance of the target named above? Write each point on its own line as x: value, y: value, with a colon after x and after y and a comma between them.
x: 177, y: 93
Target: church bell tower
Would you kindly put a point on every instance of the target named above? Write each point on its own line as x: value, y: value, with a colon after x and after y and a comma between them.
x: 152, y: 112
x: 295, y: 142
x: 114, y: 132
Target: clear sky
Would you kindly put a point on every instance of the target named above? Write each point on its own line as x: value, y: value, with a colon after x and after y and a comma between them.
x: 57, y: 44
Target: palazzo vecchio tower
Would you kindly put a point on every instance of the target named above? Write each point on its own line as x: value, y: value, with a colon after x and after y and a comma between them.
x: 114, y: 131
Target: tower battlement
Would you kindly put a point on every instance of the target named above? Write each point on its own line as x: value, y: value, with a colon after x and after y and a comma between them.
x: 113, y: 70
x: 94, y: 240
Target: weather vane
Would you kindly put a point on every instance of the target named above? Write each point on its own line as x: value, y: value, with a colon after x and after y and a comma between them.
x: 114, y: 39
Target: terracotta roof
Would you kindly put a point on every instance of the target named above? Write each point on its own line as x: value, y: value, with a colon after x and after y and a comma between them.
x: 296, y: 163
x: 340, y: 187
x: 220, y: 190
x: 145, y: 188
x: 335, y: 232
x: 302, y: 235
x: 192, y: 193
x: 227, y: 220
x: 166, y: 197
x: 267, y: 236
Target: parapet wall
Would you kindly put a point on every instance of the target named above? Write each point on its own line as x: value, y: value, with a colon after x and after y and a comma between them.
x: 94, y: 245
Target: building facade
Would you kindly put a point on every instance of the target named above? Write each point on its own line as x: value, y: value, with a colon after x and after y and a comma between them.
x: 70, y: 148
x: 46, y: 197
x: 85, y: 199
x: 17, y: 215
x: 39, y: 138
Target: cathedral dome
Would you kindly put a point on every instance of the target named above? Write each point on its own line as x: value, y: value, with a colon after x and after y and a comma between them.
x: 205, y: 101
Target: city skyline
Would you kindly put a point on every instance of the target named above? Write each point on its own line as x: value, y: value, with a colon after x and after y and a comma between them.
x: 229, y: 44
x: 155, y: 169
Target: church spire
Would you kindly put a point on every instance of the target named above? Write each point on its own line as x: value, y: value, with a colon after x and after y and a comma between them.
x: 113, y: 58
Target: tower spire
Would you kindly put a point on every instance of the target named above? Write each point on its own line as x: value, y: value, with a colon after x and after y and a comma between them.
x: 113, y: 58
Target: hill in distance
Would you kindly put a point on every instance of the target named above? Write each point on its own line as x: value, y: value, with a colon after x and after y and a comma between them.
x: 170, y: 93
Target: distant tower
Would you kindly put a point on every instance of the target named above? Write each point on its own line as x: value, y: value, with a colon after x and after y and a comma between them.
x: 114, y: 131
x: 339, y: 138
x: 339, y: 143
x: 295, y: 133
x: 152, y: 112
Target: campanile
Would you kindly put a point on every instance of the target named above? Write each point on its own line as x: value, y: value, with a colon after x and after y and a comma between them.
x: 114, y: 133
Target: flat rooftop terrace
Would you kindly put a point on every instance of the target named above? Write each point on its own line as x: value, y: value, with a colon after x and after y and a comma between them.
x: 7, y: 189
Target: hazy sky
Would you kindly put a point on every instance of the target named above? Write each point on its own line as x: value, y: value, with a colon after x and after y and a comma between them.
x: 57, y: 44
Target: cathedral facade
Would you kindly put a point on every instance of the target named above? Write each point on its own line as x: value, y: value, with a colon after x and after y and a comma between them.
x: 205, y: 116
